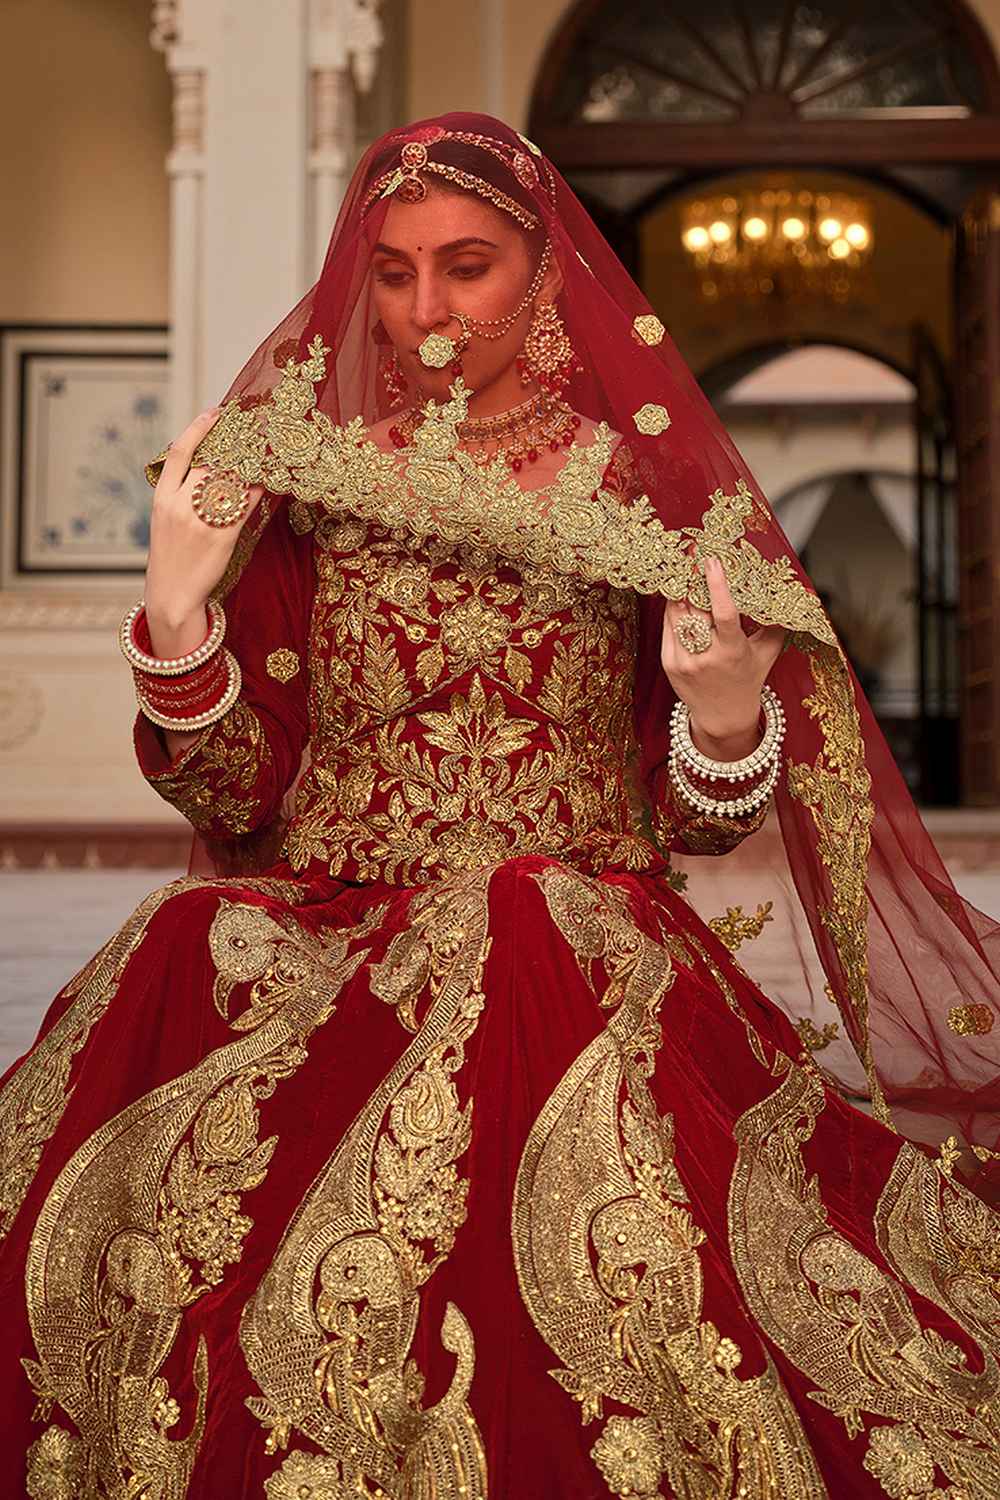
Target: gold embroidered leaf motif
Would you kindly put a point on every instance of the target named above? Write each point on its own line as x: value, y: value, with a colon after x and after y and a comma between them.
x: 384, y: 682
x: 517, y: 666
x: 430, y: 664
x: 477, y: 725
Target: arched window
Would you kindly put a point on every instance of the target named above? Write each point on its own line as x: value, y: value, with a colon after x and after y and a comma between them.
x: 701, y: 61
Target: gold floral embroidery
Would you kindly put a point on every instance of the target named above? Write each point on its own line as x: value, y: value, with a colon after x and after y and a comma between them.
x: 606, y: 1251
x: 145, y: 1217
x: 232, y: 753
x: 836, y: 789
x: 327, y: 1335
x: 652, y: 419
x: 283, y: 664
x: 34, y: 1098
x: 814, y: 1039
x: 736, y: 928
x: 843, y: 1322
x: 505, y: 731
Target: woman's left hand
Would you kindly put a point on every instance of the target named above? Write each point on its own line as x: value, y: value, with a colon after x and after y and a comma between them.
x: 721, y: 686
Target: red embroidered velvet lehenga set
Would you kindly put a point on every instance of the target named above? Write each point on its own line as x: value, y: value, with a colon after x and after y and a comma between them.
x: 437, y: 1147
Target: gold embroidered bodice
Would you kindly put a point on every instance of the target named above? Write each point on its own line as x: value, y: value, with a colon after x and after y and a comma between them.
x: 462, y: 711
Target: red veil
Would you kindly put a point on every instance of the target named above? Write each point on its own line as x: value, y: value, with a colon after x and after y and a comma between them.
x: 909, y: 965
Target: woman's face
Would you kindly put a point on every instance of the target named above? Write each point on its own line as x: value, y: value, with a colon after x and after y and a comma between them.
x: 451, y: 253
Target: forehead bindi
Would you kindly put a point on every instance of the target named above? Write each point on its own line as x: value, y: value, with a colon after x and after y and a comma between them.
x: 441, y: 220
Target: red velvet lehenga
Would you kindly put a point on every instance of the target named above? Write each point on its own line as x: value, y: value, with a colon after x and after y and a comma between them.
x: 478, y: 1166
x: 450, y: 1153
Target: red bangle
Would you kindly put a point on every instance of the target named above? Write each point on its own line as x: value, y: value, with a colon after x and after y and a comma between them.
x: 217, y: 699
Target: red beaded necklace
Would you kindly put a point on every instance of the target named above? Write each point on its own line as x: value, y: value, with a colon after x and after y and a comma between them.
x: 519, y: 435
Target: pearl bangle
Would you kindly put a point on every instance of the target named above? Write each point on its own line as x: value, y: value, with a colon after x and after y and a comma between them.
x: 170, y: 666
x: 730, y: 770
x: 761, y: 767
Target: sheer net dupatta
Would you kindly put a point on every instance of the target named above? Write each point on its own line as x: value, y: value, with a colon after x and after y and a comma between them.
x: 908, y: 968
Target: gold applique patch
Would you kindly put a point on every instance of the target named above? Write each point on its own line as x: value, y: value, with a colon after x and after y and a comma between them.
x: 283, y: 664
x: 652, y: 419
x: 649, y: 329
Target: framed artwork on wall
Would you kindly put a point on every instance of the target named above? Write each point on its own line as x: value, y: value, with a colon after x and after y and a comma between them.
x: 82, y: 409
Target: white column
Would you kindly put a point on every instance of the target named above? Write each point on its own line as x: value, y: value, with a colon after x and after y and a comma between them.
x: 263, y: 145
x: 344, y: 41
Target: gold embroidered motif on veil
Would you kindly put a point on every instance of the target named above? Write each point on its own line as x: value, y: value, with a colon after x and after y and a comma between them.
x: 146, y: 1216
x: 327, y: 1335
x: 606, y: 1251
x: 574, y: 527
x: 846, y: 1324
x: 836, y: 789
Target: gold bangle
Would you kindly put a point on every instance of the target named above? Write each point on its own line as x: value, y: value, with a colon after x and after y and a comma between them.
x: 171, y: 666
x: 211, y: 715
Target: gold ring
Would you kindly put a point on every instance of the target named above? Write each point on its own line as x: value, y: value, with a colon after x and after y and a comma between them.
x: 694, y: 633
x: 220, y: 498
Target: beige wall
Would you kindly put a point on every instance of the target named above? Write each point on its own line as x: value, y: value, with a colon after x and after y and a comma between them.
x: 85, y: 129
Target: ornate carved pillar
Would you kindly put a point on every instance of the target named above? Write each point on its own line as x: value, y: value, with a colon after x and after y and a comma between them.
x: 264, y: 107
x: 344, y: 41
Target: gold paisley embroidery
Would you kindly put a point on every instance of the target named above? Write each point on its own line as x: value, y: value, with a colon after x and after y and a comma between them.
x: 327, y: 1335
x: 146, y: 1216
x: 836, y: 789
x: 607, y: 1254
x: 942, y: 1241
x: 34, y: 1098
x: 574, y: 527
x: 842, y: 1321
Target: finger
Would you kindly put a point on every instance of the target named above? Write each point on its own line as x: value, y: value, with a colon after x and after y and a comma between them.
x: 181, y: 450
x: 768, y: 642
x: 725, y: 615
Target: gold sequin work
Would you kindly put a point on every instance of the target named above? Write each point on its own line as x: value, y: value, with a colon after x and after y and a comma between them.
x: 649, y: 328
x: 606, y: 1250
x: 848, y: 1325
x: 148, y: 1214
x: 380, y: 1218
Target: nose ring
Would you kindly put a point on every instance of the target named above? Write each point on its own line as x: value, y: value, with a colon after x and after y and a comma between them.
x: 438, y: 350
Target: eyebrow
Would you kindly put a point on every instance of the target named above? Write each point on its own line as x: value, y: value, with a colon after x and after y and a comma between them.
x: 449, y: 249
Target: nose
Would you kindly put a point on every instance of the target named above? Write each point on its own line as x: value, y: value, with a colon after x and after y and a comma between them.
x: 430, y: 304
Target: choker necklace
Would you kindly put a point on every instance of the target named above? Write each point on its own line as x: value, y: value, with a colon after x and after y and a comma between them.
x: 518, y: 435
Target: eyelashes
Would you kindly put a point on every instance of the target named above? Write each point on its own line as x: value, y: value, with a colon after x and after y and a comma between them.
x: 460, y: 273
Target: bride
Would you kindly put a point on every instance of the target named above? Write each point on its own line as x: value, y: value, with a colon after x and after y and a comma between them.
x: 424, y: 1141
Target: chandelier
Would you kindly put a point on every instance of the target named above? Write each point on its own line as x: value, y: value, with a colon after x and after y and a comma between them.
x: 779, y: 242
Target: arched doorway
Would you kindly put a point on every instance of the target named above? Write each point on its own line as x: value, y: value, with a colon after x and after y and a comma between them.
x: 637, y: 103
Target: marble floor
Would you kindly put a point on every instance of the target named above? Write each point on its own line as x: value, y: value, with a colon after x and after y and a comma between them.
x: 51, y: 922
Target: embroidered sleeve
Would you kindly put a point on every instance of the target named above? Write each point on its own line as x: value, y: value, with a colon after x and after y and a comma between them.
x: 233, y: 778
x: 683, y: 829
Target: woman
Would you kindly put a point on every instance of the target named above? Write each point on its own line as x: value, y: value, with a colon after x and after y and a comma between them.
x: 428, y: 1143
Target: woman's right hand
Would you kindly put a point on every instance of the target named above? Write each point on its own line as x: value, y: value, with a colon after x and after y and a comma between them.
x: 187, y: 557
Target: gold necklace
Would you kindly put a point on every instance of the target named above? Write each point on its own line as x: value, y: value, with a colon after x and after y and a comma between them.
x: 518, y: 435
